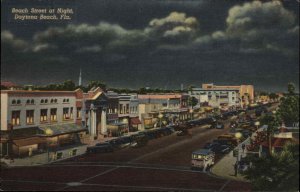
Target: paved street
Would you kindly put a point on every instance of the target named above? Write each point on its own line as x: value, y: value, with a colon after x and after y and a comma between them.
x: 164, y: 164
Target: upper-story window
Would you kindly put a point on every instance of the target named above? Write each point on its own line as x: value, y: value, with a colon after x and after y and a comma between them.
x: 46, y: 100
x: 18, y: 101
x: 52, y: 100
x: 43, y: 116
x: 42, y: 101
x: 32, y: 101
x: 55, y: 100
x: 15, y: 117
x: 13, y: 101
x: 28, y: 101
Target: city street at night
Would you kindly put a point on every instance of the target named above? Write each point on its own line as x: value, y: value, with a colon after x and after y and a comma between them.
x: 164, y: 164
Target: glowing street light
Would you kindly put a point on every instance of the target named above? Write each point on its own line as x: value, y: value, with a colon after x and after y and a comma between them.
x: 160, y: 116
x: 48, y: 132
x: 257, y: 124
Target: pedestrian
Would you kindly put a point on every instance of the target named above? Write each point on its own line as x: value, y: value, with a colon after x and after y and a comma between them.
x: 235, y: 168
x: 243, y: 147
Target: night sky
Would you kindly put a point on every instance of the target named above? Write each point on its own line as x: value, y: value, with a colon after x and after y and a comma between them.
x: 156, y: 43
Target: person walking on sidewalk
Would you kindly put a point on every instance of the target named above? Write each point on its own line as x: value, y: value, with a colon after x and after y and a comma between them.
x: 235, y: 168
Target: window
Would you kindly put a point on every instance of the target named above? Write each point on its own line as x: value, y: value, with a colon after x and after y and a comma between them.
x: 13, y: 102
x: 46, y: 100
x: 233, y: 98
x: 18, y: 101
x: 28, y: 101
x: 55, y: 100
x: 53, y: 114
x: 66, y: 113
x: 32, y: 101
x: 43, y: 116
x: 71, y: 113
x: 15, y: 117
x: 127, y: 108
x: 121, y: 108
x: 78, y: 115
x: 29, y: 116
x: 64, y: 100
x: 42, y: 101
x: 51, y: 101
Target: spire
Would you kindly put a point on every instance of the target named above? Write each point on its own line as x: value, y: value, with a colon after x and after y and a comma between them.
x: 79, y: 81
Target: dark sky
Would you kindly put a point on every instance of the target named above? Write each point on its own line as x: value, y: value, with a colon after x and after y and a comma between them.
x: 156, y: 43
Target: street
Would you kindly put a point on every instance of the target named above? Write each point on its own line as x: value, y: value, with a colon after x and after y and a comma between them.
x: 164, y: 164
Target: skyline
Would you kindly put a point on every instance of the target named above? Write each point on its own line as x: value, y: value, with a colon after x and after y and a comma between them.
x: 158, y: 44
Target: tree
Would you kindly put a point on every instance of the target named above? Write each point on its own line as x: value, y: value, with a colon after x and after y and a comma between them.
x: 192, y: 101
x: 68, y: 85
x: 275, y: 173
x: 97, y: 83
x: 289, y: 106
x: 273, y: 96
x: 272, y: 121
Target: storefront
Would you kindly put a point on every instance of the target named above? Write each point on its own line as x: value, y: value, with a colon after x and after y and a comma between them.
x: 117, y: 129
x: 134, y: 123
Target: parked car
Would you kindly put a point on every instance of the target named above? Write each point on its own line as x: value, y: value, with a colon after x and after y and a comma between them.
x: 223, y: 149
x: 182, y: 133
x: 220, y: 126
x: 100, y: 148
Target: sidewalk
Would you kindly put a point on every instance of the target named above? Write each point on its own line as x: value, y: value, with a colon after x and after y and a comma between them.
x: 63, y: 154
x: 225, y: 167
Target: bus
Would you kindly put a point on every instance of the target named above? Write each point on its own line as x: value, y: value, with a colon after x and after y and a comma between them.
x: 202, y: 159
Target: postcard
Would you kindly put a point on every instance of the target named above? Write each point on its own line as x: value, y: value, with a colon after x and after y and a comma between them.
x: 149, y: 95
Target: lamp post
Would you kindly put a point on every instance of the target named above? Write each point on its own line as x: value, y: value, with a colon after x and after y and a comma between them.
x: 237, y: 135
x: 160, y: 116
x: 48, y: 132
x: 257, y: 124
x: 191, y: 112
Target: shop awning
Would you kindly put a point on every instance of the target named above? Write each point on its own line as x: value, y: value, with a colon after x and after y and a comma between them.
x: 29, y: 141
x: 62, y: 129
x: 135, y: 121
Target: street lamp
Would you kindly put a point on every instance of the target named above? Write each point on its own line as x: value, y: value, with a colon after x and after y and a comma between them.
x: 160, y: 116
x: 191, y: 111
x: 257, y: 124
x: 48, y: 132
x: 237, y: 135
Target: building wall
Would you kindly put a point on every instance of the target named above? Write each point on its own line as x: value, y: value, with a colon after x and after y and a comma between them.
x: 70, y: 102
x: 4, y: 109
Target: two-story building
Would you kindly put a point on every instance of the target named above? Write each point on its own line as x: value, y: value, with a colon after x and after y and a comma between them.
x: 172, y: 107
x: 32, y: 120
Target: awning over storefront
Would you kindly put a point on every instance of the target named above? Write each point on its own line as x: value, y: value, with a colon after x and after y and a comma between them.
x: 135, y: 121
x: 62, y: 129
x: 29, y: 141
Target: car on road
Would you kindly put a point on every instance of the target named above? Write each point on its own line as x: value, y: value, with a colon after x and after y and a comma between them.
x: 183, y: 132
x: 220, y: 126
x: 100, y: 148
x: 202, y: 159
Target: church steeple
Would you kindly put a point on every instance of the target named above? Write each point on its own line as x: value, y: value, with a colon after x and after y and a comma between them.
x: 79, y: 81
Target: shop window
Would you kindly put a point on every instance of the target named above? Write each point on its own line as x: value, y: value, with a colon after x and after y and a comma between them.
x: 15, y: 117
x: 29, y: 116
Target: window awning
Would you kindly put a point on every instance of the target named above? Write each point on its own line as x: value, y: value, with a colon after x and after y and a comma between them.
x: 62, y: 129
x: 135, y: 121
x: 29, y: 141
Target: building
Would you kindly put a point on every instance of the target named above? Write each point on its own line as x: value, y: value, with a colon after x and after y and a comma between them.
x: 128, y: 111
x: 224, y: 96
x: 173, y: 107
x: 10, y: 85
x: 33, y: 120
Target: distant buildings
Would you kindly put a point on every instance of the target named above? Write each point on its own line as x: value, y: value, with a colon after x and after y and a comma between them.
x: 224, y: 96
